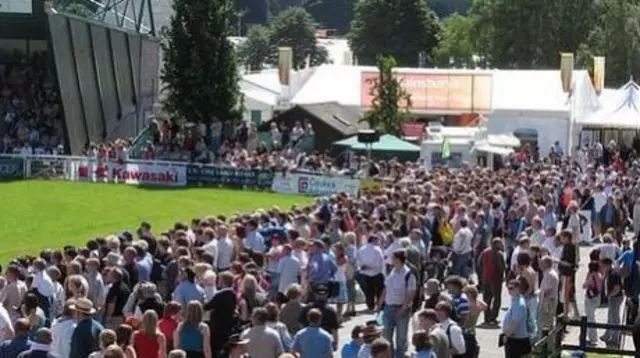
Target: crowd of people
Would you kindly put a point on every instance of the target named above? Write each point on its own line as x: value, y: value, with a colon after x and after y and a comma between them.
x: 430, y: 255
x: 30, y: 109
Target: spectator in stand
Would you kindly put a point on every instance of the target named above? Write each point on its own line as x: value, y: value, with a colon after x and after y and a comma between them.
x: 31, y: 121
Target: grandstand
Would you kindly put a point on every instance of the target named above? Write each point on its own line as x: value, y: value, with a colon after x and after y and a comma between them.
x: 67, y: 81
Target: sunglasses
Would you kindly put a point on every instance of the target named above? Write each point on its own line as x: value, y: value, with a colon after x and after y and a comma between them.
x: 511, y: 288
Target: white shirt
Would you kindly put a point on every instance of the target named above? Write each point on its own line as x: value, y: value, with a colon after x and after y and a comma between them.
x: 225, y: 253
x: 397, y: 287
x: 6, y: 327
x: 61, y: 332
x: 372, y: 257
x: 388, y: 252
x: 514, y: 257
x: 599, y: 199
x: 462, y: 241
x: 44, y: 284
x: 211, y: 248
x: 456, y: 339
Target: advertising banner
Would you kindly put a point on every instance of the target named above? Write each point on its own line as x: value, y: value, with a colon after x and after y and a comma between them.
x: 129, y: 173
x: 314, y: 185
x: 11, y: 168
x: 224, y: 175
x: 16, y: 6
x: 457, y: 92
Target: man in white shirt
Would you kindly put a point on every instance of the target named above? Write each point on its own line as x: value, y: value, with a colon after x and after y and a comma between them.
x: 6, y: 327
x: 225, y: 249
x: 451, y: 328
x: 548, y: 294
x: 400, y: 288
x: 461, y: 249
x: 62, y: 331
x: 211, y: 244
x: 42, y: 282
x: 371, y: 262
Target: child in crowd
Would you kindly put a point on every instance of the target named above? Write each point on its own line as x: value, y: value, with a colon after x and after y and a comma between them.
x: 422, y: 345
x: 177, y: 353
x: 351, y: 349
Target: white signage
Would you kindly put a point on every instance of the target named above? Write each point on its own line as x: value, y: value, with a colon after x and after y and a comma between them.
x: 16, y: 6
x: 296, y: 183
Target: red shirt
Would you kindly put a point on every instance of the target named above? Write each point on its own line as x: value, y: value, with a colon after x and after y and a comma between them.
x: 146, y: 346
x: 492, y: 268
x: 167, y: 326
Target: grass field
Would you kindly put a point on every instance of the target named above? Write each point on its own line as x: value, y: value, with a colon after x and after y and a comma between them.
x: 35, y: 215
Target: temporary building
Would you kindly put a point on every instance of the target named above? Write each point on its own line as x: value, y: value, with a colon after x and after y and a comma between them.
x: 621, y: 110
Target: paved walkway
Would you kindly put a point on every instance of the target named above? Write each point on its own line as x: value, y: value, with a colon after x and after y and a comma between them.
x: 488, y: 337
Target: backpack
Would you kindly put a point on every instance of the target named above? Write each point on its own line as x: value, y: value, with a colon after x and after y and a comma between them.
x: 417, y: 298
x: 446, y: 232
x: 464, y: 338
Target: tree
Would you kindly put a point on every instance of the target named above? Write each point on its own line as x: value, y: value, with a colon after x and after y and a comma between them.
x: 530, y: 34
x: 200, y: 73
x: 391, y: 102
x: 255, y: 51
x: 456, y: 47
x: 617, y: 36
x: 332, y: 14
x: 294, y: 27
x: 402, y: 28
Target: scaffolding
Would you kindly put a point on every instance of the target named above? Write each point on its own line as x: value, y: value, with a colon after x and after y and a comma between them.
x: 132, y: 15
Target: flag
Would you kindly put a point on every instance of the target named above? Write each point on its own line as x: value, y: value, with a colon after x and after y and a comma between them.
x: 445, y: 149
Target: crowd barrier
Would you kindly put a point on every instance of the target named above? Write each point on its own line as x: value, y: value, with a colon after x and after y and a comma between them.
x: 165, y: 173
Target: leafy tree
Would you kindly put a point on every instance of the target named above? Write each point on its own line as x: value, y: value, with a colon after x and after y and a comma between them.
x: 401, y: 28
x: 391, y: 102
x: 294, y: 27
x: 456, y: 47
x: 255, y: 51
x: 617, y: 36
x: 79, y: 9
x: 517, y: 34
x: 332, y: 14
x: 200, y: 73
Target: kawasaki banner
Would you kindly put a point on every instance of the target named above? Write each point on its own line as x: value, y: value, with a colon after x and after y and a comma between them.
x: 229, y: 176
x: 11, y: 168
x: 148, y: 173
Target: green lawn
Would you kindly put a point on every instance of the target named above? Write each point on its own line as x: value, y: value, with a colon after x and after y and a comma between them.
x: 35, y: 215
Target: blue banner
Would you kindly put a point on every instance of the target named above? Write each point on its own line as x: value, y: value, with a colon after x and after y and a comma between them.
x: 11, y: 168
x: 229, y: 176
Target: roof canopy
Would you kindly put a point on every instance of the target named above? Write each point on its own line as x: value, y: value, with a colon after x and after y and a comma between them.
x: 387, y: 143
x: 621, y: 110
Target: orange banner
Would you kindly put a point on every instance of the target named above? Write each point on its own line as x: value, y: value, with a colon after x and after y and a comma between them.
x: 439, y: 92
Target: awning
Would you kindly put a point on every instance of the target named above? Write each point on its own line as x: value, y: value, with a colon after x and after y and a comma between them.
x: 493, y: 149
x: 503, y: 140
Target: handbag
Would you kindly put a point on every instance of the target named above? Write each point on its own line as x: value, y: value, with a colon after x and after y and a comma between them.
x: 333, y: 289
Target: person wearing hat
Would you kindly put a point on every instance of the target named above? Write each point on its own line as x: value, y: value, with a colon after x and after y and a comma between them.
x: 84, y: 339
x: 370, y: 333
x: 39, y: 348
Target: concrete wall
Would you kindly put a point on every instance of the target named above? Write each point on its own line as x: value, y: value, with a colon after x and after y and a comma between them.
x: 107, y: 77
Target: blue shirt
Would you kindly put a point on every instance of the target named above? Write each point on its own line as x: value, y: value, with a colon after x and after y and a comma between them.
x: 313, y: 342
x: 461, y: 304
x: 517, y: 312
x: 321, y: 268
x: 11, y: 348
x: 425, y: 353
x: 255, y: 242
x: 289, y: 270
x: 144, y: 267
x: 549, y: 220
x: 351, y: 349
x: 188, y: 291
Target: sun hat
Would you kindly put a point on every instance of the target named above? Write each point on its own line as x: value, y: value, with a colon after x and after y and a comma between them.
x: 83, y: 305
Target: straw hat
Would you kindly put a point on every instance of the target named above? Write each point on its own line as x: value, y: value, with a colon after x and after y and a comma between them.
x: 83, y: 305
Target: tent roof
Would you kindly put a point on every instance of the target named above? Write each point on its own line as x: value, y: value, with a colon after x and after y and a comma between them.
x: 387, y: 143
x: 620, y: 110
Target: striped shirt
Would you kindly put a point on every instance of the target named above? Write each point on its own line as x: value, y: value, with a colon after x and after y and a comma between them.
x: 460, y: 304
